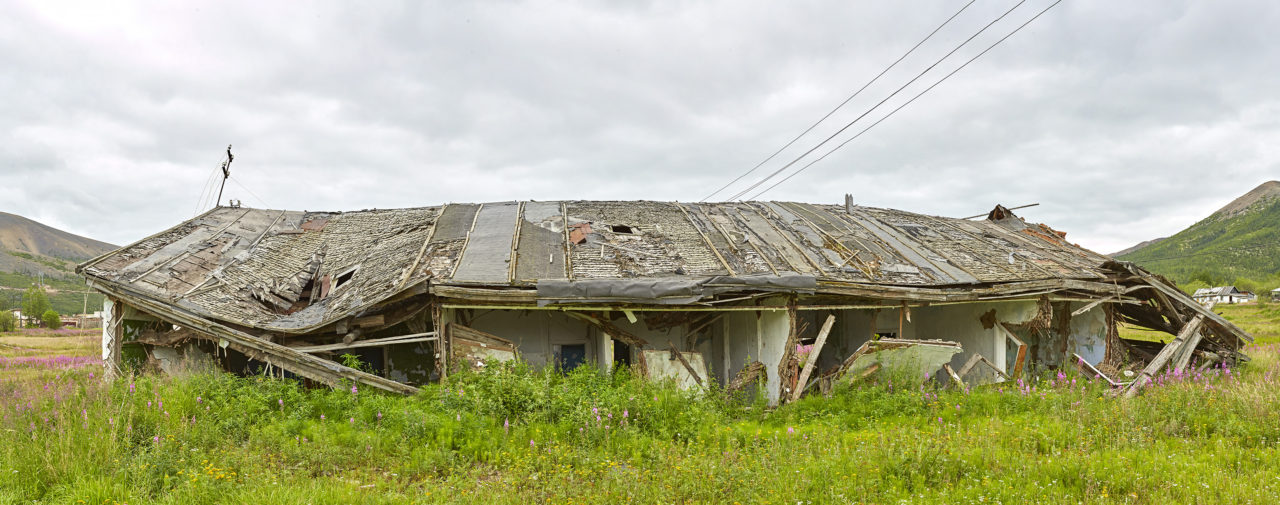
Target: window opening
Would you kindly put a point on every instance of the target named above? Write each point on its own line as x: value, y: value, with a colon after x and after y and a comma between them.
x: 344, y: 278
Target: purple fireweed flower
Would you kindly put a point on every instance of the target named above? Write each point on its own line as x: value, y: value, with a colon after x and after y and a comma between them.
x: 353, y: 420
x: 321, y: 417
x: 379, y: 415
x: 199, y: 400
x: 354, y: 389
x: 791, y: 430
x: 506, y: 426
x: 624, y: 413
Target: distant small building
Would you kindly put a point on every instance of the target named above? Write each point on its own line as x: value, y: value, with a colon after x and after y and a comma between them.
x: 1223, y: 294
x: 1275, y: 294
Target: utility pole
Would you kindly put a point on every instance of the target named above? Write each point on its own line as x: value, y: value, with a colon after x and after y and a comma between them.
x: 226, y: 173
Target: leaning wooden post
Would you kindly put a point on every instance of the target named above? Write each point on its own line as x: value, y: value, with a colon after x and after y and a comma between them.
x: 813, y: 358
x: 1183, y: 358
x: 1161, y: 359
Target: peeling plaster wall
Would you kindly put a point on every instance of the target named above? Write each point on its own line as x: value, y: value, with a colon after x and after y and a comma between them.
x: 962, y: 324
x: 1089, y: 333
x: 740, y: 336
x: 535, y: 332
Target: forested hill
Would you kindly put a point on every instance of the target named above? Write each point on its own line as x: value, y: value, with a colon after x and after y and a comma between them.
x: 1238, y: 244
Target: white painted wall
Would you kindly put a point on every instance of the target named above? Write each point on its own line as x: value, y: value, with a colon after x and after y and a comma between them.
x: 535, y: 332
x: 1089, y: 333
x: 740, y: 335
x: 774, y: 327
x: 961, y: 323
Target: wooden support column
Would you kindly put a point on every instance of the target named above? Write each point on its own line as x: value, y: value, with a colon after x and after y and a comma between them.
x: 112, y: 337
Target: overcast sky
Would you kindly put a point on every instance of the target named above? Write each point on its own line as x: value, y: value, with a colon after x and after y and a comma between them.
x: 1124, y: 120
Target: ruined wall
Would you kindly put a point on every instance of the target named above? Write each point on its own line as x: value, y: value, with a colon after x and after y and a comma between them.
x: 739, y: 341
x: 964, y: 324
x: 535, y: 332
x: 1088, y: 336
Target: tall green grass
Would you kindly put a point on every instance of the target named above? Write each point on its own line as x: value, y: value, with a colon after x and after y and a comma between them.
x: 515, y: 435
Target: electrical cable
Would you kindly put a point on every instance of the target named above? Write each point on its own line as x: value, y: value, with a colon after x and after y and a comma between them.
x: 908, y: 102
x: 842, y: 104
x: 876, y: 106
x: 255, y: 195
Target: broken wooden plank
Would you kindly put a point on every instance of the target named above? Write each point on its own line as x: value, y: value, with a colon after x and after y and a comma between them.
x: 1148, y: 374
x: 1020, y: 357
x: 460, y: 331
x: 747, y: 375
x: 300, y: 363
x: 865, y: 373
x: 692, y: 373
x: 1091, y: 305
x: 611, y: 329
x: 977, y: 359
x: 1086, y: 368
x: 812, y: 359
x: 369, y: 321
x: 955, y: 378
x: 402, y: 339
x: 1183, y: 357
x: 968, y: 365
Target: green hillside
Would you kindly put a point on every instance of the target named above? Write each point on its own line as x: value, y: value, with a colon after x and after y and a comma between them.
x: 32, y: 253
x: 1239, y: 244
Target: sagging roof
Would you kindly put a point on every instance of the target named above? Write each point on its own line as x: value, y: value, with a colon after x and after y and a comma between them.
x: 294, y: 271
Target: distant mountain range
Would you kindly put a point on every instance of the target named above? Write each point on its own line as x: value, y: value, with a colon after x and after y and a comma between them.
x: 1239, y: 241
x: 31, y: 252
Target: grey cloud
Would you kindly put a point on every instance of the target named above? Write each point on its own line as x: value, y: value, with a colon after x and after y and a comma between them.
x: 1110, y: 114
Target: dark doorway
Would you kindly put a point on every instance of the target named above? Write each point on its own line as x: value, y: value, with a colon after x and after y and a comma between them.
x: 621, y: 355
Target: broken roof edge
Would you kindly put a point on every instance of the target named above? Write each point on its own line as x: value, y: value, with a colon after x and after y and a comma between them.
x: 306, y: 365
x: 89, y: 263
x: 418, y: 287
x: 530, y: 298
x: 1169, y: 289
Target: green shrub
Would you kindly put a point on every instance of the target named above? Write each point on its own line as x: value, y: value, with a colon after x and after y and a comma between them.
x: 51, y: 319
x: 7, y: 322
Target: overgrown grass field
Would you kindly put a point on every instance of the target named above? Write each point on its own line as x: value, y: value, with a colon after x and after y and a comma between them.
x: 512, y: 435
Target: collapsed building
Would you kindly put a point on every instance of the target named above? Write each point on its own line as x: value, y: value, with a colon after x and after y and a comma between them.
x: 790, y: 296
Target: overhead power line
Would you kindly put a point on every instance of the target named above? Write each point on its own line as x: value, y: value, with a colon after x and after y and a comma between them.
x: 246, y: 188
x: 842, y: 104
x: 877, y: 105
x: 908, y: 102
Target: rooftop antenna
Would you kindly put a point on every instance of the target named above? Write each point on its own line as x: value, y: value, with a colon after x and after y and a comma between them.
x: 226, y: 173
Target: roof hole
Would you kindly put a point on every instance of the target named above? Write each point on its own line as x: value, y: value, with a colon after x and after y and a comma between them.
x: 344, y: 278
x: 622, y: 228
